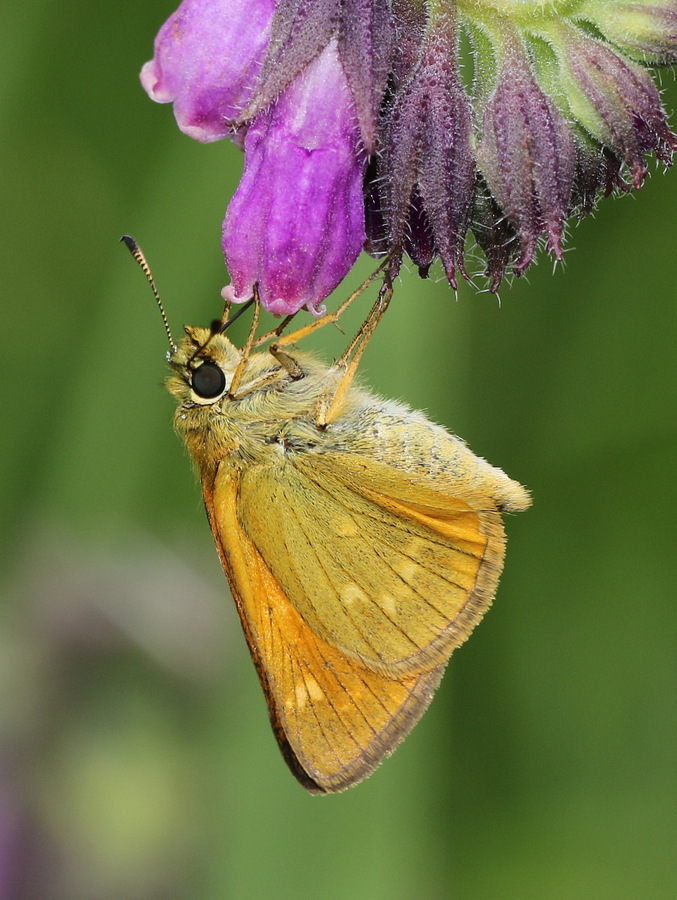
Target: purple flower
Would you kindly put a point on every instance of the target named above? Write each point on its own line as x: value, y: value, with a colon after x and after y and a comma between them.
x: 558, y: 117
x: 282, y: 87
x: 296, y: 223
x: 208, y: 57
x: 364, y: 117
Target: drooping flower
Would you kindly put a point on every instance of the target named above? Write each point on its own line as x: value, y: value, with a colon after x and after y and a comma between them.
x: 296, y: 223
x: 301, y: 93
x: 548, y: 106
x: 207, y: 62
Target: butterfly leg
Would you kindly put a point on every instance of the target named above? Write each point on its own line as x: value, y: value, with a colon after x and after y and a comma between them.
x: 330, y: 405
x: 329, y: 319
x: 247, y: 349
x: 287, y: 361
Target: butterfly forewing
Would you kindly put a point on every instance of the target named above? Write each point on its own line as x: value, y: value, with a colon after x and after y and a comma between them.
x: 334, y: 719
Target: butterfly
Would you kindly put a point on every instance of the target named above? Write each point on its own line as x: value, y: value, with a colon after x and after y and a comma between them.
x: 362, y: 542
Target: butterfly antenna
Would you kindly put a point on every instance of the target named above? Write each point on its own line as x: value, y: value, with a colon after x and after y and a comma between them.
x: 137, y: 253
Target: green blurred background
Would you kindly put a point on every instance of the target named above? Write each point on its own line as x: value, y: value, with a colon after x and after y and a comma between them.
x: 136, y: 756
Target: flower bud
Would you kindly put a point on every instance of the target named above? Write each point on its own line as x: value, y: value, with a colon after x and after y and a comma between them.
x: 427, y: 168
x: 614, y: 100
x: 526, y: 153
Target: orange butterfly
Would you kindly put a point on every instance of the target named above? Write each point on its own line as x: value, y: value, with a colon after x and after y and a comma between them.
x: 359, y: 554
x: 362, y: 543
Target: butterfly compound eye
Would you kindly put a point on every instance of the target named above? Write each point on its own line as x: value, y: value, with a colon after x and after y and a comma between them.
x: 208, y: 381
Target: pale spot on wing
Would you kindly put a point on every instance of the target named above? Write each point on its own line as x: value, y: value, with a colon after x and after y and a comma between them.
x: 420, y: 550
x: 350, y: 593
x: 345, y: 526
x: 388, y: 604
x: 301, y: 695
x: 314, y: 690
x: 407, y: 570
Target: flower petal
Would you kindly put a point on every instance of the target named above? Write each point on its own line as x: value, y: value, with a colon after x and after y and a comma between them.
x: 296, y: 223
x: 208, y: 56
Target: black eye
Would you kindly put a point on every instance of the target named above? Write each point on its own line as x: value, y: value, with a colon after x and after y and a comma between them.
x: 208, y: 381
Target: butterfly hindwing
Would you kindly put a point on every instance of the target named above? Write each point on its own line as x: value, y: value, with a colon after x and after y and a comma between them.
x: 380, y: 587
x: 391, y: 565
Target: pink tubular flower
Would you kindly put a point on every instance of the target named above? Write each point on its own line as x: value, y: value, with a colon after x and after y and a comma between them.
x: 281, y: 87
x: 296, y: 223
x: 208, y: 57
